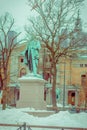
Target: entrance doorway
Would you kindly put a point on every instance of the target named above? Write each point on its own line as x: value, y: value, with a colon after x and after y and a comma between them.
x: 71, y: 97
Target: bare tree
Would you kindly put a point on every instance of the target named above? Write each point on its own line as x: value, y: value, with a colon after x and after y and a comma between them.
x: 53, y: 23
x: 7, y: 44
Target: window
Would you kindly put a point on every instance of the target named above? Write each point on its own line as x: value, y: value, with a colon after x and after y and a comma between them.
x: 22, y: 72
x: 85, y: 65
x: 21, y: 60
x: 83, y: 75
x: 81, y: 65
x: 83, y: 80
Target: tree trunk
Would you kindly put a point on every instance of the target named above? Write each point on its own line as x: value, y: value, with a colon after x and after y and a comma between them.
x: 4, y: 94
x: 54, y: 88
x: 4, y: 99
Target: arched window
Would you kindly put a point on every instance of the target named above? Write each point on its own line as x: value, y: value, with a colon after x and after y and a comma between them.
x: 22, y: 72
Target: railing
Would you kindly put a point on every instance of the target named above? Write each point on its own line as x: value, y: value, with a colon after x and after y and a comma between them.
x: 29, y: 127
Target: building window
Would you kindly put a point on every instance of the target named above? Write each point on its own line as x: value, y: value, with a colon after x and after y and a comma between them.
x: 47, y: 76
x: 81, y: 65
x: 21, y: 60
x: 85, y: 65
x: 22, y: 72
x: 83, y: 80
x: 83, y: 75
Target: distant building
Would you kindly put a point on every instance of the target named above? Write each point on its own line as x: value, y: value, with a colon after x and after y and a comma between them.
x: 71, y: 74
x: 11, y: 36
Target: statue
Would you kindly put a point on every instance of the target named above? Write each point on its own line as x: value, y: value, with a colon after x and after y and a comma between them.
x: 32, y: 55
x: 58, y: 92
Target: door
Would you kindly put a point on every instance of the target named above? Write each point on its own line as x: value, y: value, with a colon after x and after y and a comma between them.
x: 71, y: 97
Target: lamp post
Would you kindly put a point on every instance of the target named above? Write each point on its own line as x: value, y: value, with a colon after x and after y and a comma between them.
x: 64, y: 86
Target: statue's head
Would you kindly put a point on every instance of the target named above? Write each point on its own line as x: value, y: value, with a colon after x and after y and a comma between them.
x: 35, y: 44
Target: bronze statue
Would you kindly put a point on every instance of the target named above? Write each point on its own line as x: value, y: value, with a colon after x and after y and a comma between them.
x: 32, y: 55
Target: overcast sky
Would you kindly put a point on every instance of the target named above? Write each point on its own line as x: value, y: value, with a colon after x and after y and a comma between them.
x: 20, y: 10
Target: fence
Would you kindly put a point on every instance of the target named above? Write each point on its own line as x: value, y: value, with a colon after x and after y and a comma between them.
x: 29, y: 127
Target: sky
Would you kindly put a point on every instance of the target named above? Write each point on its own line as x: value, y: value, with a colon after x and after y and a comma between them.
x: 17, y: 8
x: 20, y: 11
x: 61, y: 119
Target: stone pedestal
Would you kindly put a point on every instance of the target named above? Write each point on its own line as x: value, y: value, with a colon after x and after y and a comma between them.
x: 31, y: 92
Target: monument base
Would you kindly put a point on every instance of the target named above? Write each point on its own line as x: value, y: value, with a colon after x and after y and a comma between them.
x: 31, y: 92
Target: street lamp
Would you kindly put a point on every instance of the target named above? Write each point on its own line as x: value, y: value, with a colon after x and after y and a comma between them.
x: 64, y: 86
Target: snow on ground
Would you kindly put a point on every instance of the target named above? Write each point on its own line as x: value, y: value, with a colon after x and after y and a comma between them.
x: 62, y: 118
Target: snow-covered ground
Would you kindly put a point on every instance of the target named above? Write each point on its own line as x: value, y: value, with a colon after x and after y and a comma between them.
x: 62, y: 118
